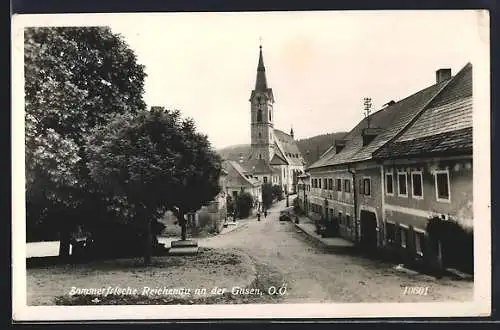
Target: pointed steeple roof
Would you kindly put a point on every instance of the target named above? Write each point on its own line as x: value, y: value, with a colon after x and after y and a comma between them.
x: 261, y: 81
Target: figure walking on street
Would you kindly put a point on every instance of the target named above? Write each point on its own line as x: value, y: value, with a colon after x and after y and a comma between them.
x: 265, y: 213
x: 258, y: 216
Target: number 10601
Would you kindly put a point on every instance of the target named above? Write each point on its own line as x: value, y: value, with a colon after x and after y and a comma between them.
x: 416, y: 290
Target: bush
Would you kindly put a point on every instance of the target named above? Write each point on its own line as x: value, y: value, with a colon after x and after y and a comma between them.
x: 278, y: 192
x: 296, y: 206
x: 116, y: 239
x: 244, y: 204
x: 457, y: 243
x: 267, y: 195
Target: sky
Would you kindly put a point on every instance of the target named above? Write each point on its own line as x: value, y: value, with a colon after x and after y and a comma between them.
x: 320, y: 65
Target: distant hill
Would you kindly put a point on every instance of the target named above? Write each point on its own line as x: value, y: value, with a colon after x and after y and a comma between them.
x: 311, y: 148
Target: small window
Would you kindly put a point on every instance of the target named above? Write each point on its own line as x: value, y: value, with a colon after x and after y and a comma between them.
x: 339, y: 185
x: 259, y: 116
x: 442, y: 186
x: 265, y: 179
x: 270, y: 119
x: 319, y: 183
x: 341, y: 219
x: 260, y: 156
x: 348, y: 220
x: 402, y: 188
x: 367, y: 189
x: 416, y: 184
x: 347, y: 186
x: 403, y: 237
x: 389, y: 189
x: 260, y: 135
x: 325, y: 183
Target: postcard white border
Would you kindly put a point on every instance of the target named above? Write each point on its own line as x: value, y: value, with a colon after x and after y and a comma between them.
x: 480, y: 306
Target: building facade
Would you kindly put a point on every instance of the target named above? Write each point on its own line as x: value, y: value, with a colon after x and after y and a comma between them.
x: 428, y: 174
x: 383, y: 173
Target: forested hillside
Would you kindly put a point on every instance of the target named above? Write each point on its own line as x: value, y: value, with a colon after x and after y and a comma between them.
x: 311, y: 148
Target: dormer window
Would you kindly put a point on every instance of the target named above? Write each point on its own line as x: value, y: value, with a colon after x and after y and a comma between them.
x: 339, y: 145
x: 369, y: 134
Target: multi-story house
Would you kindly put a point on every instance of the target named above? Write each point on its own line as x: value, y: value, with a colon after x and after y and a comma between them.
x: 240, y: 180
x: 427, y: 173
x: 347, y: 181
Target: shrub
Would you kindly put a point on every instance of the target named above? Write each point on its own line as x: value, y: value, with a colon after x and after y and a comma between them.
x: 278, y: 192
x: 244, y: 204
x: 296, y: 206
x: 457, y: 243
x: 267, y: 195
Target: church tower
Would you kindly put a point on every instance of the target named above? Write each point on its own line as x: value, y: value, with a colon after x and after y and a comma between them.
x: 262, y: 116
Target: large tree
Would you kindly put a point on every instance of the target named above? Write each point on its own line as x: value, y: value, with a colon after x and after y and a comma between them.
x: 155, y: 161
x: 76, y: 79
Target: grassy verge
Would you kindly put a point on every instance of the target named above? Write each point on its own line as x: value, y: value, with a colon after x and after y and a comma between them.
x: 258, y: 291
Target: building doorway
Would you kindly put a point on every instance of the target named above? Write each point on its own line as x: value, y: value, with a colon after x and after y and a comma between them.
x: 368, y: 222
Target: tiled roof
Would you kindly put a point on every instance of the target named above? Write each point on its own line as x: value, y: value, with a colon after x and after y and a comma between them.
x: 257, y: 166
x: 237, y: 175
x: 289, y: 148
x: 391, y: 120
x: 444, y: 126
x: 278, y: 160
x: 451, y: 142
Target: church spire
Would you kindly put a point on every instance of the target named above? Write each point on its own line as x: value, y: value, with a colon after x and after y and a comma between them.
x: 261, y: 81
x: 291, y: 132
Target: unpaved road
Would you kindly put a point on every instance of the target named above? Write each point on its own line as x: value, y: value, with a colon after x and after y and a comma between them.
x: 314, y: 276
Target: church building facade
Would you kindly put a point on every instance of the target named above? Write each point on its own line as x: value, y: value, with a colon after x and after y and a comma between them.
x: 274, y: 156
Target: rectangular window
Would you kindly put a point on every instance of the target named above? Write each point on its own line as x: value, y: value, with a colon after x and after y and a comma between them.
x: 367, y: 186
x: 419, y: 239
x: 325, y: 183
x: 347, y: 186
x: 403, y: 237
x: 265, y: 179
x: 402, y: 187
x: 442, y: 185
x: 416, y: 185
x: 339, y: 185
x: 389, y: 189
x: 330, y: 184
x: 319, y: 183
x: 348, y: 220
x: 390, y: 233
x: 341, y: 220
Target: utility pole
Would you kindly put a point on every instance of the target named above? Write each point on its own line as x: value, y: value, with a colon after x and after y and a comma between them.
x: 367, y: 102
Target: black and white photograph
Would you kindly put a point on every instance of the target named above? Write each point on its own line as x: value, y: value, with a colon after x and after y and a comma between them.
x: 221, y: 165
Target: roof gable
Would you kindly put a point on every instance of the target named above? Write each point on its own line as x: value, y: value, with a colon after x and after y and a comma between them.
x: 391, y: 120
x: 446, y: 122
x: 288, y: 148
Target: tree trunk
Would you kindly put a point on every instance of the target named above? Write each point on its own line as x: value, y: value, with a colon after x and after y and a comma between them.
x: 183, y: 223
x: 148, y: 240
x: 64, y: 239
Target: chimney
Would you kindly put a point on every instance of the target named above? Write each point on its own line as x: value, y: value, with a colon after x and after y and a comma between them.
x: 442, y: 75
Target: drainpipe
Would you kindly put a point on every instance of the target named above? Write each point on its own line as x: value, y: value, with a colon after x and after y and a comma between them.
x: 355, y: 201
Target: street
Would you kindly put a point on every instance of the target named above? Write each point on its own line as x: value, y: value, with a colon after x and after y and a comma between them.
x: 314, y: 276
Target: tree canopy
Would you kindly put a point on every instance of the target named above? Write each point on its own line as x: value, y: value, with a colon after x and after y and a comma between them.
x: 76, y: 79
x: 155, y: 161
